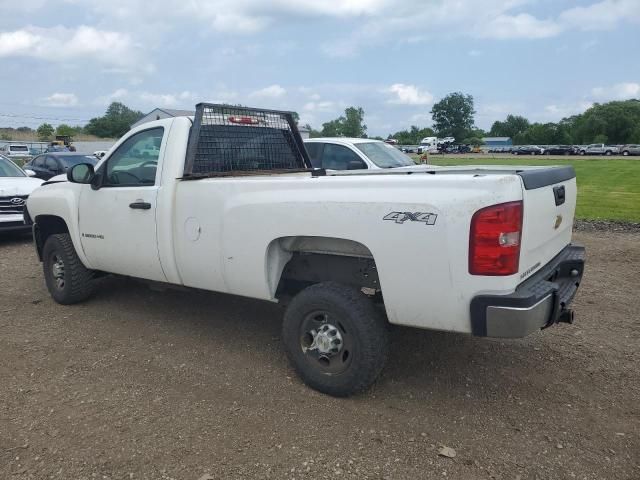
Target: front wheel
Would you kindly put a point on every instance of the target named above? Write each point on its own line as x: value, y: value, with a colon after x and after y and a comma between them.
x: 67, y: 279
x: 625, y: 153
x: 335, y: 338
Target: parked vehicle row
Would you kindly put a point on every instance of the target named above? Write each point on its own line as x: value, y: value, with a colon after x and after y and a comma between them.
x: 592, y: 149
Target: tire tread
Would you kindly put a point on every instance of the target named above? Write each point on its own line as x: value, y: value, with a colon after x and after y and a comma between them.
x: 373, y: 342
x: 79, y: 278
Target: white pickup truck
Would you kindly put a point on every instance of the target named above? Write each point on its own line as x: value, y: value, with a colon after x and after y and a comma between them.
x: 228, y: 202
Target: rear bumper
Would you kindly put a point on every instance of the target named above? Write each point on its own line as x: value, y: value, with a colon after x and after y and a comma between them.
x: 538, y: 302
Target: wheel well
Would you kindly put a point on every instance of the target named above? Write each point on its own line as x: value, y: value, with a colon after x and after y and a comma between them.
x: 298, y: 262
x: 45, y: 226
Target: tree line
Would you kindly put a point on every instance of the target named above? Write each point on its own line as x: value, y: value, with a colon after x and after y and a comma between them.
x: 616, y: 122
x: 116, y: 121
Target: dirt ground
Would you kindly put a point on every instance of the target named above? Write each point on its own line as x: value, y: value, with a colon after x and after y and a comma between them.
x: 143, y: 384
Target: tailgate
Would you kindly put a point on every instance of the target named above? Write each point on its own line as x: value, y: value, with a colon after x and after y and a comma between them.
x: 549, y: 198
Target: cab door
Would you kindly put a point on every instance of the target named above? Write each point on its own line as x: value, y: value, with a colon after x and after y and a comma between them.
x: 118, y: 219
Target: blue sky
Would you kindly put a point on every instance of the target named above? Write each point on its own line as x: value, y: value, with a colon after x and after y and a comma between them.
x: 63, y: 61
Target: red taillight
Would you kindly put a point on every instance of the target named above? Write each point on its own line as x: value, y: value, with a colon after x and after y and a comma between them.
x: 494, y: 240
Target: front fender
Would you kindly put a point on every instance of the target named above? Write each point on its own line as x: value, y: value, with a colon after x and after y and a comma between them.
x: 58, y: 200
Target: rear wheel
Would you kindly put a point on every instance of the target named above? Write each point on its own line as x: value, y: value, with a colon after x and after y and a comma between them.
x: 67, y: 279
x: 608, y: 153
x: 335, y: 338
x: 625, y: 153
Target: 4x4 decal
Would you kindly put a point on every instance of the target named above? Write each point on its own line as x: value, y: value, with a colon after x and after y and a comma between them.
x: 401, y: 217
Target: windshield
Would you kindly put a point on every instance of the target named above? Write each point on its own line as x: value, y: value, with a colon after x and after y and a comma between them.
x: 384, y: 155
x: 9, y: 169
x: 71, y: 160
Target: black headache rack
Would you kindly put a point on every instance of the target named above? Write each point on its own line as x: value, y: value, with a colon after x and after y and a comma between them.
x: 229, y: 141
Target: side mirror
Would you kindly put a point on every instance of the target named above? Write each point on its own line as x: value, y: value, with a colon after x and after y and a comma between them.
x: 30, y: 173
x: 356, y: 165
x: 81, y: 173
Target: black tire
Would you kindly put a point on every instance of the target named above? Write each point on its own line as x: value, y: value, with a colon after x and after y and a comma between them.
x: 582, y: 152
x: 67, y: 279
x: 360, y: 327
x: 608, y: 153
x: 625, y: 153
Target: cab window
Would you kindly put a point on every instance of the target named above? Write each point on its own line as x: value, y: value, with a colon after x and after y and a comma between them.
x: 337, y: 157
x: 135, y: 162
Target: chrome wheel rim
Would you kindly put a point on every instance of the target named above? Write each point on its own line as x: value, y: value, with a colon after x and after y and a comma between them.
x: 57, y: 270
x: 325, y: 342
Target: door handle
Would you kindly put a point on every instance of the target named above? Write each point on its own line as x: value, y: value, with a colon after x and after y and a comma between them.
x: 140, y: 205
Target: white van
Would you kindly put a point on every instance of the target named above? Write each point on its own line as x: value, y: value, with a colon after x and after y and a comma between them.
x: 15, y: 150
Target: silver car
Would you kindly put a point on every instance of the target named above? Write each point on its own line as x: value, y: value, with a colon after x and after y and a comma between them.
x: 627, y: 150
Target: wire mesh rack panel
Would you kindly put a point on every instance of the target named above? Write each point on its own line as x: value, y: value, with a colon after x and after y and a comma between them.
x: 227, y: 140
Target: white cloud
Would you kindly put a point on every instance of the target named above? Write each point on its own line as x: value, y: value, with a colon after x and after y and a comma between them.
x: 60, y: 44
x: 119, y: 94
x: 272, y: 91
x: 378, y: 21
x: 61, y: 100
x: 169, y: 100
x: 421, y: 118
x: 603, y: 15
x: 619, y: 91
x: 408, y: 95
x: 556, y: 112
x: 17, y: 43
x: 324, y: 106
x: 518, y: 26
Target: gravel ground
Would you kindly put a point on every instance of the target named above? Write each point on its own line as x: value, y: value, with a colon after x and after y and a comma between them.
x: 175, y: 385
x: 614, y: 226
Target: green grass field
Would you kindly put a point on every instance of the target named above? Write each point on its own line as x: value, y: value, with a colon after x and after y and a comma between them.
x: 608, y: 189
